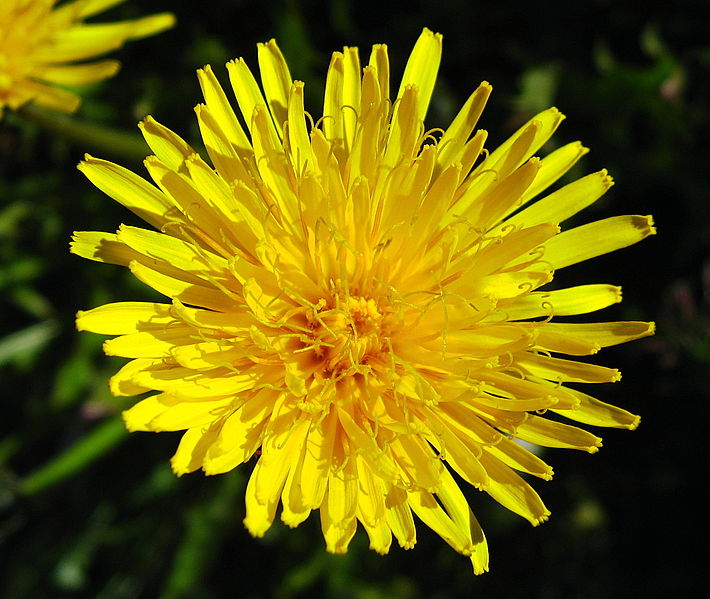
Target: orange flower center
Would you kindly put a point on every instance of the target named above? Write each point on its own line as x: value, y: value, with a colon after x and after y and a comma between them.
x: 349, y: 332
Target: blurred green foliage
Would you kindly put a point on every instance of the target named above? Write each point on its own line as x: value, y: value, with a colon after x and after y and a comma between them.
x: 89, y: 511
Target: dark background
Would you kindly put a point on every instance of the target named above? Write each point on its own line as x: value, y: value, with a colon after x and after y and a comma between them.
x: 89, y: 511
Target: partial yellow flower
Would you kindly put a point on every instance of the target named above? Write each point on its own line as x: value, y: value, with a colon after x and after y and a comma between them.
x: 359, y: 302
x: 42, y: 47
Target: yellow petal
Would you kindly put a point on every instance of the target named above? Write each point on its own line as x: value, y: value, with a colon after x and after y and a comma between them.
x: 189, y: 293
x: 421, y: 70
x: 337, y: 534
x: 85, y: 41
x: 123, y: 383
x: 597, y: 413
x: 513, y: 387
x: 548, y: 433
x: 48, y: 96
x: 130, y: 190
x: 223, y: 152
x: 456, y: 505
x: 85, y: 8
x: 219, y: 106
x: 351, y: 93
x: 380, y: 535
x: 207, y: 355
x: 191, y: 450
x: 333, y: 100
x: 556, y: 369
x: 247, y: 91
x: 399, y: 518
x: 179, y: 414
x: 259, y: 516
x: 452, y: 142
x: 298, y: 138
x: 78, y: 74
x: 597, y: 238
x: 553, y: 166
x: 317, y: 461
x: 419, y: 466
x: 603, y: 334
x: 179, y: 254
x: 405, y: 130
x: 370, y: 496
x: 379, y: 61
x: 294, y: 511
x: 140, y: 416
x: 240, y: 435
x: 566, y: 202
x: 276, y: 79
x: 102, y: 247
x: 455, y: 450
x: 342, y: 495
x: 563, y: 302
x: 523, y: 143
x: 433, y: 515
x: 150, y: 344
x: 190, y: 384
x: 487, y: 203
x: 277, y: 460
x: 169, y: 147
x: 508, y: 489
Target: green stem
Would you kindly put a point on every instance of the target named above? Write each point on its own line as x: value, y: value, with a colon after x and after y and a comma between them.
x: 85, y: 451
x: 90, y: 136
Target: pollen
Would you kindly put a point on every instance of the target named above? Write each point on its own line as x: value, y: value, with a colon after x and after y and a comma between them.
x: 349, y: 333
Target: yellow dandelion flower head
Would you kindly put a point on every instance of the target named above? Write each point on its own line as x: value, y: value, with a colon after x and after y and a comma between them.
x: 358, y: 301
x: 43, y: 46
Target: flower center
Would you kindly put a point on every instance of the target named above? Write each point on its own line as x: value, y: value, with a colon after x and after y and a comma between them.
x: 346, y: 335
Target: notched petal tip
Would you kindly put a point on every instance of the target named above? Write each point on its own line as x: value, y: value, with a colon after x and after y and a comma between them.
x: 597, y: 445
x: 271, y: 43
x: 408, y: 544
x: 426, y: 32
x: 128, y: 420
x: 85, y: 163
x: 109, y: 349
x: 146, y: 120
x: 77, y: 320
x: 205, y: 69
x: 648, y: 223
x: 176, y: 469
x: 255, y: 529
x: 607, y: 179
x: 554, y: 111
x: 541, y: 519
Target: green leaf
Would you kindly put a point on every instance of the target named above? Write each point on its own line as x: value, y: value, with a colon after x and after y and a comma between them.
x: 23, y: 344
x: 84, y: 452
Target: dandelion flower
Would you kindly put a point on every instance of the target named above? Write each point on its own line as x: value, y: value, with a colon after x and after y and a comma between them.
x: 358, y: 301
x: 42, y: 47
